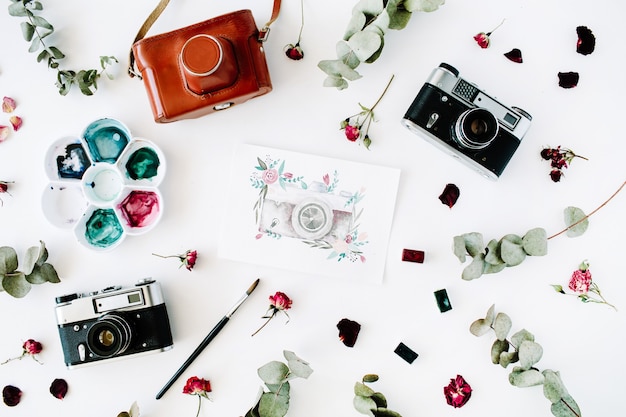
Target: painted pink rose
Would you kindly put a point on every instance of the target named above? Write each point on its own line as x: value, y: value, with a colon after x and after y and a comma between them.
x: 270, y: 176
x: 580, y: 281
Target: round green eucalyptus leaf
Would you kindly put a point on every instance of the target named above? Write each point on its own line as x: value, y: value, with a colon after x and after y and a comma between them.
x: 380, y: 25
x: 481, y: 326
x: 8, y: 260
x: 493, y: 269
x: 474, y: 243
x: 398, y: 16
x: 458, y: 248
x: 279, y: 389
x: 16, y: 284
x: 380, y: 400
x: 502, y: 325
x: 376, y: 54
x: 507, y: 358
x: 385, y: 412
x: 35, y: 276
x: 363, y: 390
x: 525, y: 378
x: 370, y: 378
x: 535, y: 242
x: 345, y: 54
x: 356, y: 24
x: 512, y: 252
x: 492, y: 255
x: 273, y: 372
x: 272, y: 405
x: 299, y: 368
x: 520, y: 337
x: 335, y: 81
x: 49, y: 273
x: 498, y: 347
x: 370, y: 7
x: 553, y: 388
x: 365, y: 44
x: 364, y: 405
x: 474, y: 269
x: 565, y: 407
x: 529, y: 353
x: 573, y: 215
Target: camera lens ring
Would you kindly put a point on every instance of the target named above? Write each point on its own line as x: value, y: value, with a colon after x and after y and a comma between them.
x: 190, y: 54
x: 109, y: 336
x: 476, y: 128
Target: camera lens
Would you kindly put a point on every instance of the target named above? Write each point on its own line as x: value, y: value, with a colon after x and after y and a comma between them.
x: 476, y: 128
x: 312, y: 219
x: 109, y: 336
x: 208, y: 63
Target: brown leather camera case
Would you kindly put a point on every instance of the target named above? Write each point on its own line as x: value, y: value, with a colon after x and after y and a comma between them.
x: 158, y: 60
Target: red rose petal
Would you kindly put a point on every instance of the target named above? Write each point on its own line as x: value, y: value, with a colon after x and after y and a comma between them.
x: 58, y: 388
x: 450, y: 195
x: 348, y: 331
x: 514, y: 55
x: 11, y: 395
x: 568, y: 79
x: 586, y: 40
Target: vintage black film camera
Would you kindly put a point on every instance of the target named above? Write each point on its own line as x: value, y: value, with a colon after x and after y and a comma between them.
x: 459, y: 118
x: 113, y: 323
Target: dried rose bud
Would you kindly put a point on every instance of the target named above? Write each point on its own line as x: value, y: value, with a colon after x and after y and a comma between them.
x: 568, y: 79
x: 348, y: 331
x: 32, y: 347
x: 294, y: 52
x: 58, y: 388
x: 457, y: 392
x: 352, y: 133
x: 482, y: 39
x: 11, y: 395
x: 8, y: 105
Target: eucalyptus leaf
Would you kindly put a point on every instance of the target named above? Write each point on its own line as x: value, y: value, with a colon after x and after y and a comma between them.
x: 17, y: 9
x: 520, y: 337
x: 497, y: 348
x: 346, y: 55
x: 279, y: 389
x: 16, y: 285
x: 474, y: 243
x: 31, y: 258
x: 8, y: 260
x: 380, y: 400
x: 492, y: 255
x: 356, y: 24
x: 385, y: 412
x: 298, y: 367
x: 512, y: 252
x: 398, y: 16
x: 28, y: 31
x: 273, y: 372
x: 553, y: 388
x: 458, y: 248
x: 492, y: 269
x: 41, y: 22
x: 502, y: 325
x: 474, y: 269
x: 507, y: 358
x: 423, y: 5
x: 338, y: 68
x: 529, y: 353
x: 370, y: 7
x: 376, y: 54
x: 525, y: 378
x: 365, y: 44
x: 364, y: 405
x: 363, y: 390
x: 36, y: 277
x: 535, y: 242
x: 565, y: 407
x: 482, y: 326
x: 370, y: 378
x: 572, y: 216
x: 272, y: 405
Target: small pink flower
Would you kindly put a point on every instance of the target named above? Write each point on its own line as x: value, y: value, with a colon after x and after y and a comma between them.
x: 326, y: 179
x: 352, y: 133
x: 8, y: 105
x: 278, y: 302
x: 259, y: 236
x: 348, y: 239
x: 16, y: 122
x: 482, y: 39
x: 30, y: 348
x: 457, y: 392
x: 580, y: 281
x: 270, y: 176
x: 198, y: 386
x: 288, y: 175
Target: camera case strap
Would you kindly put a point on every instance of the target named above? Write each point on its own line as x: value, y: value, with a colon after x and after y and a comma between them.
x: 202, y: 68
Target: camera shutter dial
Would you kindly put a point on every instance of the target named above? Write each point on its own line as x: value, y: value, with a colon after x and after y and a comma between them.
x: 312, y: 218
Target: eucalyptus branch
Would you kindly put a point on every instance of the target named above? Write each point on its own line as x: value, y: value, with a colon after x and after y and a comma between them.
x: 35, y: 29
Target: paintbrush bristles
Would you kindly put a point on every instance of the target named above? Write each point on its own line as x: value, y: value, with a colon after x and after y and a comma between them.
x: 253, y: 286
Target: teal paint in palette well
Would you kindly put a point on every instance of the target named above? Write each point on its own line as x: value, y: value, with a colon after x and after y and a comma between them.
x: 103, y: 229
x: 106, y: 140
x: 143, y: 164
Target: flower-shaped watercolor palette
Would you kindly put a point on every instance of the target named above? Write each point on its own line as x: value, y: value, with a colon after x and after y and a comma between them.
x: 104, y: 184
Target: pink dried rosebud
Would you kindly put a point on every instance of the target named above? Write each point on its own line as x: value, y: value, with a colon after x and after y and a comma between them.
x: 8, y: 105
x: 187, y: 259
x: 348, y: 331
x: 11, y: 395
x: 197, y: 386
x: 16, y: 122
x: 580, y: 280
x: 32, y: 347
x: 278, y: 302
x: 482, y: 39
x: 352, y: 132
x: 58, y: 388
x: 457, y: 392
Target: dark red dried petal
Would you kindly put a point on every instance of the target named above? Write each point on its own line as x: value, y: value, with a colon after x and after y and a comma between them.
x: 568, y: 79
x: 450, y: 195
x: 586, y: 40
x: 11, y: 395
x: 514, y: 55
x: 348, y: 331
x: 58, y: 388
x: 556, y: 175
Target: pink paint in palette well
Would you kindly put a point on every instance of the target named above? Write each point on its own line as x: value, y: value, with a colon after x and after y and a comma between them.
x: 140, y: 208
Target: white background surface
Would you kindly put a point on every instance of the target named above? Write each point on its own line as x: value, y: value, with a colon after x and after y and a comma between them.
x: 583, y: 342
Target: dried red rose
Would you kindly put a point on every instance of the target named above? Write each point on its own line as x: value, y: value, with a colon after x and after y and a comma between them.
x: 348, y: 331
x: 457, y: 392
x: 450, y: 195
x: 197, y: 386
x: 586, y: 40
x: 514, y: 55
x: 11, y: 395
x: 278, y: 302
x: 58, y: 388
x: 482, y: 38
x: 294, y: 52
x: 568, y: 79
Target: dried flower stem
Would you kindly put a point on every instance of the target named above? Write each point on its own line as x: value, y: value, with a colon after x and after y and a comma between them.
x: 589, y: 215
